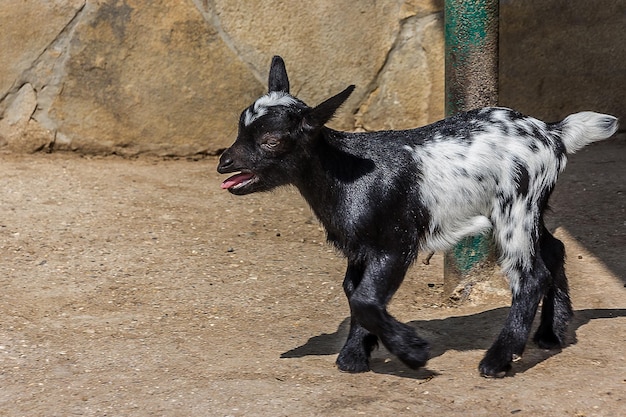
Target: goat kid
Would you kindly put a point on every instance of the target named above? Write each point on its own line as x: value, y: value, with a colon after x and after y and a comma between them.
x: 382, y: 196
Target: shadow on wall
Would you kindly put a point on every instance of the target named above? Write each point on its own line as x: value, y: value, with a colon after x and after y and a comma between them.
x: 562, y: 56
x: 589, y: 201
x: 446, y: 334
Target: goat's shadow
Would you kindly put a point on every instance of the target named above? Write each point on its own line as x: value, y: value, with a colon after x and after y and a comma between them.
x: 462, y: 333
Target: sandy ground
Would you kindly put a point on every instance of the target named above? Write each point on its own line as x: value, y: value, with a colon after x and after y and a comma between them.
x: 139, y: 288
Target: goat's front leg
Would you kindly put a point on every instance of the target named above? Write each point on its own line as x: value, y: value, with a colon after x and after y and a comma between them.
x: 355, y: 354
x: 368, y: 303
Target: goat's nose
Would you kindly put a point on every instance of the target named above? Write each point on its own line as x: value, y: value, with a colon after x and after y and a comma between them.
x: 225, y: 163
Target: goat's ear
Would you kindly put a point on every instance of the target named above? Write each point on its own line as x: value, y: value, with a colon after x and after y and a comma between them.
x: 325, y: 111
x: 278, y: 80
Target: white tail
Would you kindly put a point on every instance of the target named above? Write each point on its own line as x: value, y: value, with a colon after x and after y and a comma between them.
x: 581, y: 129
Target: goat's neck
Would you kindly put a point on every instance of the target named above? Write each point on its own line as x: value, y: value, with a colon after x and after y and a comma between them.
x: 324, y: 179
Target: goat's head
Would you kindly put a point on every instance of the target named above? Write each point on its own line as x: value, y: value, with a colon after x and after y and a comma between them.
x: 274, y: 135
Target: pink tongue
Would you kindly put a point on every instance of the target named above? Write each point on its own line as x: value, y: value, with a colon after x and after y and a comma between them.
x: 236, y: 179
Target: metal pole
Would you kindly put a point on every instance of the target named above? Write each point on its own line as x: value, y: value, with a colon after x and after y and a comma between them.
x: 471, y: 81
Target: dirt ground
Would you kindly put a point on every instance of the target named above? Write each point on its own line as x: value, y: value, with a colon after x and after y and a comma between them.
x: 139, y: 288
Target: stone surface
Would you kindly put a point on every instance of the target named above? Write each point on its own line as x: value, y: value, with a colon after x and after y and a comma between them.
x: 22, y: 106
x: 409, y: 89
x: 421, y: 8
x: 327, y: 45
x: 17, y: 129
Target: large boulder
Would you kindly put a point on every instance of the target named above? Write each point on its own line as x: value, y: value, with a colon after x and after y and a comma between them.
x: 170, y: 78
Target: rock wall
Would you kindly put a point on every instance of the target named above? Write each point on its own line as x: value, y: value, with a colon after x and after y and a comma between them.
x: 170, y: 77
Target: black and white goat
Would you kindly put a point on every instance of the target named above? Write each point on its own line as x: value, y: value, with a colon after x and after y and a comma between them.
x: 382, y: 196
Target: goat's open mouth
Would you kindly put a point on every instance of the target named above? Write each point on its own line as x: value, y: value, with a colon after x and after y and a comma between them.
x: 239, y: 181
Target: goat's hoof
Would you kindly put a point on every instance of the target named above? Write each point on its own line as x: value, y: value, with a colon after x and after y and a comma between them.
x: 416, y: 357
x: 492, y: 374
x: 489, y: 370
x: 352, y: 367
x: 353, y: 361
x: 355, y: 357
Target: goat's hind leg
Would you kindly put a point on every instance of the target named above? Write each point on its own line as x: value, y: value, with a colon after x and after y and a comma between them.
x: 355, y: 354
x: 556, y: 309
x: 511, y: 341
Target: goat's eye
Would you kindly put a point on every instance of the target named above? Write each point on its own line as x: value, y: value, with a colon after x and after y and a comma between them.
x: 270, y: 143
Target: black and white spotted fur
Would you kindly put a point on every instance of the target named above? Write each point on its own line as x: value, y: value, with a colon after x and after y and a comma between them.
x: 384, y: 196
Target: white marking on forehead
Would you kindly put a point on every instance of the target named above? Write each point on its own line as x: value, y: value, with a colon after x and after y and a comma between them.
x: 259, y: 108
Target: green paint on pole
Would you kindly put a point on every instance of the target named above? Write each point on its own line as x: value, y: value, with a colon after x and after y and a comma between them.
x: 471, y: 57
x: 466, y: 24
x: 470, y: 252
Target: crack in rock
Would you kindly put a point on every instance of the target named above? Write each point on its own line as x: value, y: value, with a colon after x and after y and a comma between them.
x: 391, y: 92
x: 209, y: 13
